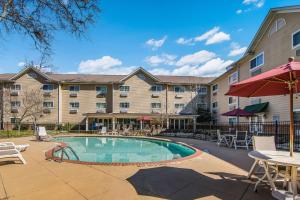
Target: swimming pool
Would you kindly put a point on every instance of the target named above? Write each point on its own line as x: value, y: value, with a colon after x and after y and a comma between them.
x: 93, y: 150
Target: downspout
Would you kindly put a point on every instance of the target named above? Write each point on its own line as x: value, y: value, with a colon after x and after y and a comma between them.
x: 238, y: 98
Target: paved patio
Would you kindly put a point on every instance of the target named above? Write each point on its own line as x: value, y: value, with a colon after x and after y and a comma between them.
x: 219, y: 174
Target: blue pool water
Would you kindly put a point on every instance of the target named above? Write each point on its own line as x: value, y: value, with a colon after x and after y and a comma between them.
x: 124, y: 150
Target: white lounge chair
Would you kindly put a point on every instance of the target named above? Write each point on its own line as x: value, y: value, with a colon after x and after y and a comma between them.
x: 11, y: 152
x: 221, y: 139
x: 103, y: 130
x: 19, y: 147
x: 42, y: 134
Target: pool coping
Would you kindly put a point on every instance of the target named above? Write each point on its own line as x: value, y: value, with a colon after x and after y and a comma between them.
x: 49, y: 154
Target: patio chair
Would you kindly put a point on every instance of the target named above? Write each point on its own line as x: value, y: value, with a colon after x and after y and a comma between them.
x: 103, y: 130
x: 20, y: 147
x: 11, y: 152
x: 42, y: 134
x: 240, y: 139
x: 221, y: 139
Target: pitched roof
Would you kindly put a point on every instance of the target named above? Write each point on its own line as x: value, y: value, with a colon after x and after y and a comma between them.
x: 5, y: 77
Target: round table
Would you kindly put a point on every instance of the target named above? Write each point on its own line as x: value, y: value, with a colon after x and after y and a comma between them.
x: 279, y: 158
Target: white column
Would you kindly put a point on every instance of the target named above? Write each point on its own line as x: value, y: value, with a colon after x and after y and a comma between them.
x: 141, y: 123
x: 168, y: 123
x: 194, y: 124
x: 179, y: 124
x: 86, y: 124
x: 113, y: 123
x: 59, y: 104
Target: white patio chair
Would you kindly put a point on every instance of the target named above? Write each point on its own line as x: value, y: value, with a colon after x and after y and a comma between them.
x: 11, y: 152
x: 103, y: 130
x: 42, y: 134
x: 240, y: 139
x: 20, y: 147
x: 221, y: 139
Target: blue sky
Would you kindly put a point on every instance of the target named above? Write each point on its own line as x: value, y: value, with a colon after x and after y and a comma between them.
x: 190, y: 37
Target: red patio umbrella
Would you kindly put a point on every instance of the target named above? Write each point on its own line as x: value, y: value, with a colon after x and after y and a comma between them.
x: 278, y: 81
x: 144, y: 118
x: 238, y: 112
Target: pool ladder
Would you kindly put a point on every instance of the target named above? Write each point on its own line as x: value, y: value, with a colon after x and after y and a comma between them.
x: 64, y: 152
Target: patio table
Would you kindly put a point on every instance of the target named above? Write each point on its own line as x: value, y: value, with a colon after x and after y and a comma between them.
x: 280, y: 158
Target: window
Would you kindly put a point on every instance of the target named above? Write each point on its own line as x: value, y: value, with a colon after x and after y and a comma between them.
x: 202, y: 106
x: 214, y: 105
x: 101, y: 89
x: 155, y: 105
x: 275, y: 118
x: 74, y: 105
x: 124, y: 105
x: 215, y: 88
x: 233, y: 78
x: 232, y: 120
x: 202, y: 90
x: 255, y: 101
x: 178, y: 89
x: 47, y: 87
x: 277, y: 25
x: 179, y: 105
x: 15, y: 87
x: 74, y: 88
x: 100, y: 105
x: 48, y: 104
x: 156, y: 88
x: 296, y: 39
x: 124, y: 88
x: 256, y: 72
x: 15, y: 104
x: 257, y: 61
x: 231, y: 100
x: 14, y: 120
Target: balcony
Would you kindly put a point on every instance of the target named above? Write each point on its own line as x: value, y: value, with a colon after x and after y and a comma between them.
x: 46, y: 110
x: 73, y: 94
x: 179, y: 96
x: 123, y: 94
x: 14, y: 93
x: 73, y: 111
x: 156, y: 110
x: 100, y: 94
x: 123, y: 110
x: 14, y: 110
x: 155, y: 95
x: 101, y: 110
x: 47, y: 93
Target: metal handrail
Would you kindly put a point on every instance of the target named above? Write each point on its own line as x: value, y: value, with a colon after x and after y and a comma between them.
x: 62, y: 148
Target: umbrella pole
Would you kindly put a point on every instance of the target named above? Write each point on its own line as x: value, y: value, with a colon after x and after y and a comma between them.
x: 291, y: 122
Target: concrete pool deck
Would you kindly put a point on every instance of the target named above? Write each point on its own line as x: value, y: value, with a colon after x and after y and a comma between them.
x: 219, y: 174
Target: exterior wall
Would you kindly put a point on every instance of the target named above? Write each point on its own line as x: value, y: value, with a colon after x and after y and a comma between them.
x: 28, y: 83
x: 87, y: 98
x: 277, y: 49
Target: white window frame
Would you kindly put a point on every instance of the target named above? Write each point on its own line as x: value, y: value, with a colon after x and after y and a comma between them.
x: 212, y: 107
x: 258, y: 66
x: 47, y: 101
x: 124, y: 86
x: 48, y: 89
x: 101, y: 92
x: 234, y: 102
x: 215, y: 90
x: 179, y: 104
x: 156, y: 103
x: 14, y: 85
x: 15, y: 119
x: 276, y: 25
x: 74, y: 91
x: 277, y: 116
x: 232, y: 118
x: 231, y: 75
x: 74, y: 108
x: 157, y: 86
x: 101, y: 107
x: 124, y: 103
x: 292, y: 39
x: 206, y: 107
x: 182, y: 89
x: 15, y: 104
x: 200, y: 92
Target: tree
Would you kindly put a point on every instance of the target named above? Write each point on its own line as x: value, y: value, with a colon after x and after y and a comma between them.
x: 39, y: 19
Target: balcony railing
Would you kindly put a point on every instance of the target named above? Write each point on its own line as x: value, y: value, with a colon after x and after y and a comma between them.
x: 123, y: 110
x: 123, y: 94
x: 73, y: 94
x: 101, y: 110
x: 14, y: 93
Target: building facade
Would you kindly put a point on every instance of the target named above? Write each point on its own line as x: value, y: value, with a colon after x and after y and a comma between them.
x: 106, y: 100
x: 276, y: 41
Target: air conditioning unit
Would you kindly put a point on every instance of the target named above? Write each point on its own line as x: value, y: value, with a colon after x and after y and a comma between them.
x: 101, y: 110
x: 14, y: 93
x: 46, y: 110
x: 73, y: 111
x: 123, y: 110
x: 156, y: 111
x: 73, y: 94
x: 123, y: 94
x: 155, y: 95
x: 14, y: 110
x: 47, y: 93
x: 178, y: 96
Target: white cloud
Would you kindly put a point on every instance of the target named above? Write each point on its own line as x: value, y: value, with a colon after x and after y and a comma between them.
x: 21, y: 64
x: 208, y: 34
x: 196, y: 58
x: 236, y: 50
x: 156, y: 60
x: 155, y: 44
x: 184, y: 41
x: 104, y: 65
x: 217, y: 38
x: 239, y: 11
x: 257, y: 3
